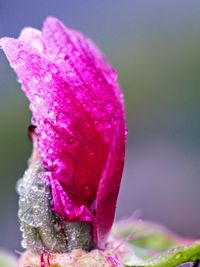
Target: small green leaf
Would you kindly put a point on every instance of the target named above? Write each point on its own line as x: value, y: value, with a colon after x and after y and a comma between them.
x: 174, y: 257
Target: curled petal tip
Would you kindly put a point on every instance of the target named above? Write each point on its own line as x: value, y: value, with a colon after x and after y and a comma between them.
x: 51, y: 19
x: 6, y: 42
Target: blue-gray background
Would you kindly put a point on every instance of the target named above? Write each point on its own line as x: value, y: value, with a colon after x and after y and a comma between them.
x: 155, y: 46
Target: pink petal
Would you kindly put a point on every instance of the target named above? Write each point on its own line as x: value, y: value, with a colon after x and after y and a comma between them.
x: 78, y: 109
x: 109, y: 188
x: 33, y: 37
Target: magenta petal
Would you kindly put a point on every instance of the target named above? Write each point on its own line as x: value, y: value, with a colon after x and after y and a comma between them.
x: 78, y: 110
x: 109, y: 188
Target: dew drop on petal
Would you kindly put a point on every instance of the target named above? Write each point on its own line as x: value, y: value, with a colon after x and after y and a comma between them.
x: 50, y: 150
x: 109, y: 105
x: 37, y: 99
x: 36, y: 79
x: 121, y: 96
x: 23, y: 54
x: 70, y: 74
x: 76, y: 53
x: 35, y: 58
x: 67, y: 100
x: 20, y: 61
x: 47, y: 123
x: 41, y: 122
x: 71, y: 140
x: 47, y: 77
x: 43, y: 135
x: 38, y: 44
x: 55, y: 103
x: 113, y: 74
x: 178, y: 256
x: 51, y: 113
x: 53, y: 69
x: 33, y: 120
x: 87, y: 190
x: 74, y: 38
x: 107, y: 125
x: 91, y: 153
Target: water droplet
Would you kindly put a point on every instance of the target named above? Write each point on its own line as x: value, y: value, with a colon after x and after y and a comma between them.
x: 23, y: 244
x: 41, y: 122
x: 53, y: 69
x: 178, y: 256
x: 108, y: 125
x: 43, y: 135
x: 67, y: 211
x: 113, y: 74
x: 34, y: 188
x: 67, y: 100
x: 47, y: 122
x: 121, y: 96
x: 95, y: 109
x: 51, y: 113
x: 69, y: 47
x: 76, y: 53
x: 71, y: 140
x: 109, y: 105
x: 20, y: 61
x: 36, y: 78
x: 32, y: 107
x: 74, y: 38
x: 62, y: 53
x: 35, y: 58
x: 70, y: 74
x: 23, y: 54
x: 50, y: 150
x: 45, y: 176
x: 37, y: 99
x: 91, y: 153
x: 47, y: 77
x: 55, y: 103
x: 33, y: 120
x: 60, y: 117
x: 38, y: 44
x: 87, y: 190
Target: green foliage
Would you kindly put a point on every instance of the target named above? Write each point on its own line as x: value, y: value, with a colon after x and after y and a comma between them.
x: 174, y: 257
x: 156, y: 246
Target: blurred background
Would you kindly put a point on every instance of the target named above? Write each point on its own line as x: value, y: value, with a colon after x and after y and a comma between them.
x: 155, y: 46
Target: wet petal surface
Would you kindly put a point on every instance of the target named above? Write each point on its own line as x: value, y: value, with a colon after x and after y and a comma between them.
x: 78, y: 112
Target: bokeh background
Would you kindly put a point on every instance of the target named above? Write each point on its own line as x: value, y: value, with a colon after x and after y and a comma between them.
x: 155, y: 46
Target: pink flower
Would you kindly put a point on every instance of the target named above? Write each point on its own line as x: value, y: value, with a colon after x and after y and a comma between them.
x: 78, y: 112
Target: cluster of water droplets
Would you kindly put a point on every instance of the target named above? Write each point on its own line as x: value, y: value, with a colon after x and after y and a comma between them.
x: 77, y: 56
x: 40, y: 226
